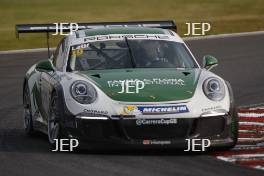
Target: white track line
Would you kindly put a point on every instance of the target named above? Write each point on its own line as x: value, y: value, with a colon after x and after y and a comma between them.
x: 218, y: 36
x: 26, y: 51
x: 259, y: 167
x: 251, y: 114
x: 251, y: 139
x: 241, y: 157
x: 247, y: 131
x: 253, y: 106
x: 252, y: 123
x: 246, y: 147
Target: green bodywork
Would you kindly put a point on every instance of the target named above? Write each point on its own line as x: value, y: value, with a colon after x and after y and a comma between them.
x: 45, y: 65
x: 152, y: 92
x: 209, y: 62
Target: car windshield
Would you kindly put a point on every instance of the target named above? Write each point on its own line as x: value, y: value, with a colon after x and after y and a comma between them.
x: 118, y: 54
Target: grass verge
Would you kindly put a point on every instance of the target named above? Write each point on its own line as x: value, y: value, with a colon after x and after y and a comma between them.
x: 226, y: 16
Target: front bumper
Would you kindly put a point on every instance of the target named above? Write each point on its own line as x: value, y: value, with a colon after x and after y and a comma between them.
x: 126, y: 132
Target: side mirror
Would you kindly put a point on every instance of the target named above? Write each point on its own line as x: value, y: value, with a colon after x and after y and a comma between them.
x: 209, y: 62
x: 44, y: 65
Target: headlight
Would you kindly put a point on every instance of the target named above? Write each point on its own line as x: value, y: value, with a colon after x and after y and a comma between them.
x: 214, y: 89
x: 83, y: 92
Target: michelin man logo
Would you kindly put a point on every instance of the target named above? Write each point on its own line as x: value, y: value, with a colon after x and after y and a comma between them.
x: 131, y: 110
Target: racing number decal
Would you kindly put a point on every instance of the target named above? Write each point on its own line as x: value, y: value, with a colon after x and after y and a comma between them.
x: 77, y: 52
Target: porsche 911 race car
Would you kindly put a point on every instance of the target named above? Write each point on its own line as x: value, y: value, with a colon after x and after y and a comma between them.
x: 133, y: 84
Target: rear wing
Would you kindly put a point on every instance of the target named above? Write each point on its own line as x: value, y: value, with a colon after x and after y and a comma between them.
x: 52, y: 27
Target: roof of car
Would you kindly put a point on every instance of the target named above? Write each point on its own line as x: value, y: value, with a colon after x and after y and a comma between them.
x: 119, y: 30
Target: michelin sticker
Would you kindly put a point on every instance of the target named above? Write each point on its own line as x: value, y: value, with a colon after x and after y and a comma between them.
x: 152, y: 110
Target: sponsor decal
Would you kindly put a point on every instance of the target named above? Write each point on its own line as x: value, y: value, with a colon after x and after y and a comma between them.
x: 146, y: 142
x: 211, y: 108
x: 128, y: 36
x: 164, y: 109
x: 153, y: 81
x: 150, y: 110
x: 78, y: 52
x: 155, y: 142
x: 140, y: 122
x: 94, y: 111
x: 131, y: 110
x: 82, y: 46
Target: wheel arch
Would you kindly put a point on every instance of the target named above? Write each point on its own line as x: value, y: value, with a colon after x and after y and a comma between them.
x: 63, y: 110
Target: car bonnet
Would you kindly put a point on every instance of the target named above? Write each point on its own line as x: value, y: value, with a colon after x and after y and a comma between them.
x: 160, y: 84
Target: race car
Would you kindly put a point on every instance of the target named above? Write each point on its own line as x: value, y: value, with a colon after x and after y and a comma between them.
x: 131, y: 84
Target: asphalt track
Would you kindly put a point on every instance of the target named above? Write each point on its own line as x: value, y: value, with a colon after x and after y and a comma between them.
x: 241, y: 61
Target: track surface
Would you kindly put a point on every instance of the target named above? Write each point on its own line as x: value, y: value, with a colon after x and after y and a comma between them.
x: 241, y: 62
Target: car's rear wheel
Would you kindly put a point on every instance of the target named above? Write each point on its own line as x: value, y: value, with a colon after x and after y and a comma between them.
x: 54, y: 129
x: 27, y: 113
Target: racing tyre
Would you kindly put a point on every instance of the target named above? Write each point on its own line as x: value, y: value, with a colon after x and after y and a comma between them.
x: 54, y: 127
x: 234, y: 128
x: 234, y: 120
x: 234, y: 133
x: 28, y: 122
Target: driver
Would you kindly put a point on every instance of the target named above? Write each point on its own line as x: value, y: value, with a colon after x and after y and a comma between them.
x: 154, y: 54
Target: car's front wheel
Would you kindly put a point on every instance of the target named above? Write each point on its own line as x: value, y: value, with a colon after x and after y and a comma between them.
x: 233, y: 133
x: 54, y: 129
x: 234, y: 128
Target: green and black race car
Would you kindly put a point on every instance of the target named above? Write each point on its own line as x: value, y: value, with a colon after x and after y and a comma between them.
x: 133, y: 84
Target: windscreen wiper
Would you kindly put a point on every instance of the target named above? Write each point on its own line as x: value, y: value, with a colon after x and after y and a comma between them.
x: 100, y: 51
x: 130, y: 53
